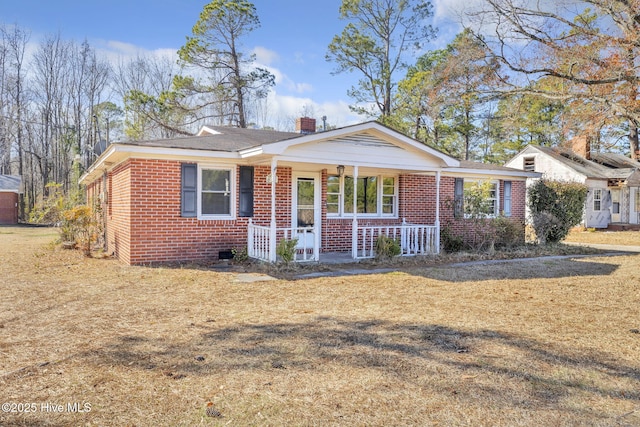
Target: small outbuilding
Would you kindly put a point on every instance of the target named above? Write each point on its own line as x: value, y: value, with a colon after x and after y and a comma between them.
x: 10, y: 191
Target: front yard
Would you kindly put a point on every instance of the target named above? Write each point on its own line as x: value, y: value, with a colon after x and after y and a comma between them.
x: 94, y: 342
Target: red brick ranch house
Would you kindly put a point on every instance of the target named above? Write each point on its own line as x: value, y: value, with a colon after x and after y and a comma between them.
x: 197, y: 198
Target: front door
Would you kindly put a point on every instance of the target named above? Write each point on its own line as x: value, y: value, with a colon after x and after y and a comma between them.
x: 306, y: 213
x: 615, y: 205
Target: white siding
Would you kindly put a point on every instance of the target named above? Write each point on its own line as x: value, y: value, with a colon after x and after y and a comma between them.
x: 362, y: 150
x: 601, y: 218
x: 548, y: 166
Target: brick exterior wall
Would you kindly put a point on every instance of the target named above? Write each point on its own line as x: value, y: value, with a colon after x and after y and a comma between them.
x: 461, y: 226
x: 8, y: 208
x: 144, y: 222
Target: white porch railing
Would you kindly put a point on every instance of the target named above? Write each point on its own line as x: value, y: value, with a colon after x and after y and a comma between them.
x: 259, y: 245
x: 414, y: 239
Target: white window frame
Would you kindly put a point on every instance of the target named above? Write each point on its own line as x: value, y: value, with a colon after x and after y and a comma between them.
x: 599, y: 193
x: 339, y: 194
x: 379, y: 189
x: 496, y: 200
x: 232, y: 191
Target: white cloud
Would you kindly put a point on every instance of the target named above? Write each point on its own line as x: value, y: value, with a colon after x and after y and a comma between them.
x: 282, y: 80
x: 265, y: 56
x: 284, y: 109
x: 451, y: 11
x: 116, y: 51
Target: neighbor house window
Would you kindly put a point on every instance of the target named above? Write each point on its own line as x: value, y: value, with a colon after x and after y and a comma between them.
x: 597, y: 199
x: 376, y: 195
x: 216, y: 195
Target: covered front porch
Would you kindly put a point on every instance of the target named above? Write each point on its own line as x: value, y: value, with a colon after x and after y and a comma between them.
x: 413, y: 239
x: 340, y: 192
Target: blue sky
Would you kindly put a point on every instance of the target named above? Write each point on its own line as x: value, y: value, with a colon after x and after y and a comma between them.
x: 292, y: 41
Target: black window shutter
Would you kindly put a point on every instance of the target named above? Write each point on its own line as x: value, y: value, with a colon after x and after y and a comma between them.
x: 246, y: 191
x: 189, y: 184
x: 458, y: 198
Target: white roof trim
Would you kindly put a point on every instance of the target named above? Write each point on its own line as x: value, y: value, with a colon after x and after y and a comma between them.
x: 207, y: 130
x: 155, y: 152
x: 362, y: 164
x: 279, y: 148
x: 491, y: 172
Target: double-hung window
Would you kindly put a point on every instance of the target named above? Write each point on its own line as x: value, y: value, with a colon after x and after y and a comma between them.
x: 216, y: 193
x: 209, y: 192
x: 476, y: 198
x: 375, y: 196
x: 334, y: 195
x: 597, y: 199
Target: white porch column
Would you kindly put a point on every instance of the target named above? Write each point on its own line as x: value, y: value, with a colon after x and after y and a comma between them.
x: 437, y: 223
x: 272, y: 228
x: 354, y: 224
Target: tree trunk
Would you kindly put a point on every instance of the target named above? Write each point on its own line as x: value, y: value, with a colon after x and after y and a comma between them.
x: 633, y: 139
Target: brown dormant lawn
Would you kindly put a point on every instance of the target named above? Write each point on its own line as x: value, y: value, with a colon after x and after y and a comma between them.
x: 94, y: 342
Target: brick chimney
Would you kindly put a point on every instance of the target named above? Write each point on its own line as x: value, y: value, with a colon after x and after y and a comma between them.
x: 305, y: 125
x: 581, y: 145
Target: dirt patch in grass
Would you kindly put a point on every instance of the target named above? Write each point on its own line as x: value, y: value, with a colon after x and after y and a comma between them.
x: 543, y: 342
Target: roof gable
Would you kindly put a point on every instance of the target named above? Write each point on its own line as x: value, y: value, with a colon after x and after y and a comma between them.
x: 370, y: 143
x: 602, y: 165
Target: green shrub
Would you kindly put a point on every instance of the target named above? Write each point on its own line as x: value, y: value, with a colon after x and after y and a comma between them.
x: 286, y: 250
x: 555, y: 207
x: 508, y: 233
x: 387, y: 247
x: 240, y: 255
x: 79, y: 224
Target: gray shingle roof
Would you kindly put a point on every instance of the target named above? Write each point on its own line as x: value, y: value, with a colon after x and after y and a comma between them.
x: 603, y: 166
x: 577, y: 163
x: 10, y: 183
x: 229, y: 139
x: 614, y: 160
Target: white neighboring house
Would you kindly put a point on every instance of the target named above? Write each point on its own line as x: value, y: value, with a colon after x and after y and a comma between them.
x: 613, y: 180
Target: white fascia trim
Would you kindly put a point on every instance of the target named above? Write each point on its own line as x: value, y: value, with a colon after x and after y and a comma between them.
x: 490, y: 172
x: 176, y: 152
x: 278, y: 148
x: 98, y: 163
x: 155, y: 152
x: 250, y: 152
x: 377, y: 165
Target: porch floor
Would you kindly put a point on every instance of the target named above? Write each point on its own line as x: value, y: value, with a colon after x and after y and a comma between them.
x: 336, y: 258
